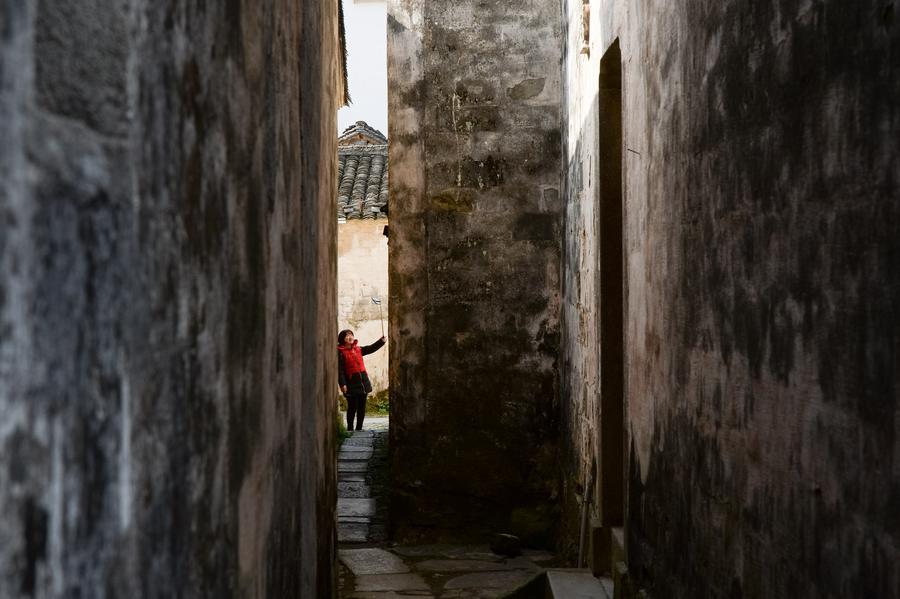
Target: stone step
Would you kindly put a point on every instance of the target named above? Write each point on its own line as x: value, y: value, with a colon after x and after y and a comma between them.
x: 353, y: 458
x: 372, y: 561
x: 352, y: 490
x: 353, y: 532
x: 405, y: 583
x: 358, y: 444
x: 355, y: 519
x: 355, y: 507
x: 577, y: 584
x: 564, y: 583
x: 356, y: 467
x: 351, y: 477
x: 355, y: 452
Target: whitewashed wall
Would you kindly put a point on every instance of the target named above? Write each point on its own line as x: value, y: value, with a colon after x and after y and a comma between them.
x: 362, y: 274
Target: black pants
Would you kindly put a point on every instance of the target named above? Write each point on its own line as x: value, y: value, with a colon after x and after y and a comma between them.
x: 356, y: 405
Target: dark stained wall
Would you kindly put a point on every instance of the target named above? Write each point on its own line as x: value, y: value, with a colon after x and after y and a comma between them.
x: 474, y: 263
x: 762, y: 252
x: 167, y: 268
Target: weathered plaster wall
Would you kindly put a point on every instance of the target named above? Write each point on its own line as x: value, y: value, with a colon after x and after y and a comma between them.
x: 362, y: 275
x: 762, y: 252
x: 167, y: 298
x: 475, y: 259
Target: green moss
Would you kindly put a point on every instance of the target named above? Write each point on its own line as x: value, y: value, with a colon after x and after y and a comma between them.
x: 453, y: 200
x: 341, y: 431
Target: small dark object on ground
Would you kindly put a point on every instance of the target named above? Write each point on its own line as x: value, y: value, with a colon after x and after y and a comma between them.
x: 508, y: 545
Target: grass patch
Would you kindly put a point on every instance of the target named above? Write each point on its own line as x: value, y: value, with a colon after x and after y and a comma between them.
x: 379, y: 404
x: 341, y: 430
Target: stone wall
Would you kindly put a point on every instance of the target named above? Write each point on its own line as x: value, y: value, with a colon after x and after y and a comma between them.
x: 167, y: 266
x: 362, y: 275
x: 761, y: 292
x: 474, y: 96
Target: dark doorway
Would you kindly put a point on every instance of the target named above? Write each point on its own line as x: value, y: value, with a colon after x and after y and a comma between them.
x: 610, y: 296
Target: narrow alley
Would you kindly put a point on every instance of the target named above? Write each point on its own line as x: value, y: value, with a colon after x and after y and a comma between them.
x: 362, y: 480
x: 372, y: 567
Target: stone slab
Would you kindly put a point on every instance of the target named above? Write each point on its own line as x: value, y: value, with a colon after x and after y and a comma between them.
x: 472, y: 594
x: 352, y: 467
x: 359, y: 445
x: 359, y: 519
x: 476, y: 594
x: 488, y: 556
x: 359, y: 456
x: 446, y: 550
x: 351, y: 477
x: 363, y: 444
x: 355, y: 507
x: 392, y: 595
x: 372, y: 561
x: 355, y: 451
x: 353, y: 490
x: 576, y: 584
x: 470, y: 565
x: 391, y: 582
x: 491, y: 580
x: 522, y: 563
x: 352, y: 532
x: 538, y: 556
x: 372, y: 424
x: 368, y: 442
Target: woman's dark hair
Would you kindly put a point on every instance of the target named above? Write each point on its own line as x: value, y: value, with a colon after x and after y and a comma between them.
x: 342, y: 335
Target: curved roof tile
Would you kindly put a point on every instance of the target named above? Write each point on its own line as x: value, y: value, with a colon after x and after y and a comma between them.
x: 362, y: 173
x: 361, y: 133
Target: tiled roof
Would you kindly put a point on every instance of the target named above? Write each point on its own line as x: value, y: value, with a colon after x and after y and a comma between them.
x: 361, y: 133
x: 362, y: 172
x: 362, y: 181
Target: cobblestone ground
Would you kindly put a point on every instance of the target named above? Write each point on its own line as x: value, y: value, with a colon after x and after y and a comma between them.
x: 372, y: 568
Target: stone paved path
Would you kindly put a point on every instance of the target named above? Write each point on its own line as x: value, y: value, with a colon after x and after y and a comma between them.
x: 370, y: 568
x: 360, y: 517
x: 434, y: 572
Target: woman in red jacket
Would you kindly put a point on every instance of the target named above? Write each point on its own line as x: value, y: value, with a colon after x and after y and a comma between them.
x: 352, y: 377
